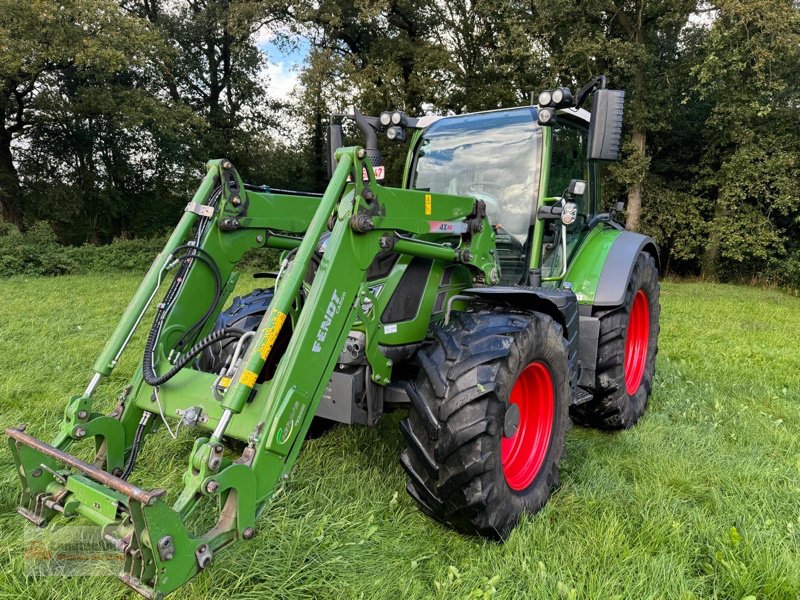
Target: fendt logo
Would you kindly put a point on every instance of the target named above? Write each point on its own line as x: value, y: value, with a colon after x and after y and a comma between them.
x: 334, y: 306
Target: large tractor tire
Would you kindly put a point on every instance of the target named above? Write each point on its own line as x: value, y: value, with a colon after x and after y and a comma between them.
x: 488, y: 420
x: 626, y: 355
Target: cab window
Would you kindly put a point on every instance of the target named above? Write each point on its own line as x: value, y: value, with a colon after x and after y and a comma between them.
x: 567, y: 157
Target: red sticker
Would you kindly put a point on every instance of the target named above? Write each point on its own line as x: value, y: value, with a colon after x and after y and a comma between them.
x: 379, y: 173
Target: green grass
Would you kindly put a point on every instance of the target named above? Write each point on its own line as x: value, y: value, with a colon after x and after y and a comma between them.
x: 700, y: 500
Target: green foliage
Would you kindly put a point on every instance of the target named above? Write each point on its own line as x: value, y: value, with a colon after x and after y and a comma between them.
x: 677, y: 221
x: 751, y: 158
x: 120, y: 256
x: 35, y: 252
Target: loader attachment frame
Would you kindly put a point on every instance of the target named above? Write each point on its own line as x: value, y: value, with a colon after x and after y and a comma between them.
x: 252, y: 427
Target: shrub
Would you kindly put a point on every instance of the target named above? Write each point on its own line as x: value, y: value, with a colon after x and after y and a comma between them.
x: 35, y: 252
x: 119, y: 255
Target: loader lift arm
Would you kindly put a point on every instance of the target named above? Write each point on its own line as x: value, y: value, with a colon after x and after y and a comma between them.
x: 269, y: 418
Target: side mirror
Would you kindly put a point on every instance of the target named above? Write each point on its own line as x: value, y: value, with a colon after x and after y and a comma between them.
x: 605, y: 127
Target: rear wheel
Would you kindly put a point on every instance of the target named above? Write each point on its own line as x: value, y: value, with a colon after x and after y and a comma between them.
x: 488, y: 420
x: 626, y: 355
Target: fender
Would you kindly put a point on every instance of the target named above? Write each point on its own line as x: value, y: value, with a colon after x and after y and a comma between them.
x: 561, y: 305
x: 599, y: 275
x: 600, y: 271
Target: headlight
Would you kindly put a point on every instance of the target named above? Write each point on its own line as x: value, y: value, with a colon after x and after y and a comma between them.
x: 569, y: 213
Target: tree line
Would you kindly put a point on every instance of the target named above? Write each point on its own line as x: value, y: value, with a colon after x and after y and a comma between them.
x: 111, y: 107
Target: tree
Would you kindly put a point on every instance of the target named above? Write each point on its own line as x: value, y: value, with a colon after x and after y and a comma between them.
x: 751, y: 162
x: 38, y: 40
x: 216, y: 68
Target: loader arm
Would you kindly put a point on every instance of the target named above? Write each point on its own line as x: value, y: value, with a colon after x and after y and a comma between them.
x: 269, y: 418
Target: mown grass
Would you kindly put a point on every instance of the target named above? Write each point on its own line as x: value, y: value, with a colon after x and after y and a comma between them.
x: 700, y: 500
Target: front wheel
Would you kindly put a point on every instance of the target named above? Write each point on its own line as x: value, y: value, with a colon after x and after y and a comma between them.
x: 626, y: 355
x: 488, y: 420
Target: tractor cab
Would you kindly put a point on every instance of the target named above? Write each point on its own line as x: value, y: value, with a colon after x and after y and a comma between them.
x: 509, y: 161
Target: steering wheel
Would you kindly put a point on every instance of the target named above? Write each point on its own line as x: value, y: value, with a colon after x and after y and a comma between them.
x: 477, y: 189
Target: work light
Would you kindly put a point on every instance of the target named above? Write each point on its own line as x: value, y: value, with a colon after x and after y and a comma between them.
x: 396, y: 134
x: 545, y: 98
x: 398, y: 118
x: 562, y: 97
x: 386, y: 119
x: 547, y: 116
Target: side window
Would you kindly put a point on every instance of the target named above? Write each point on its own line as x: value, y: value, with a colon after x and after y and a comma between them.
x: 567, y: 157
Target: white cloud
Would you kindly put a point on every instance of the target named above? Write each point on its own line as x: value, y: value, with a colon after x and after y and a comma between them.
x: 263, y: 36
x: 282, y: 80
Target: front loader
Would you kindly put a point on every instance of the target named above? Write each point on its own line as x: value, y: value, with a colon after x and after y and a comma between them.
x: 487, y: 295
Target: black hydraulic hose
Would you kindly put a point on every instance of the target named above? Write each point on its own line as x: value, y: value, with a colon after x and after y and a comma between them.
x: 148, y: 371
x: 206, y: 258
x: 137, y: 442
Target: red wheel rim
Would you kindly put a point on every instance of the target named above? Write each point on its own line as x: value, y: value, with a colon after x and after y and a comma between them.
x: 637, y: 342
x: 524, y: 452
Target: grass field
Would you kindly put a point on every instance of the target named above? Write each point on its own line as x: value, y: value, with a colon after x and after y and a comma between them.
x: 700, y: 500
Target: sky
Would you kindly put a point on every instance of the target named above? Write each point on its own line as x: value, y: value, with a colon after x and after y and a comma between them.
x: 284, y: 63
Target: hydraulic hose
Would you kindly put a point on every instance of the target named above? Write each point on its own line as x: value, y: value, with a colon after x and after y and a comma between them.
x: 137, y: 442
x: 148, y: 371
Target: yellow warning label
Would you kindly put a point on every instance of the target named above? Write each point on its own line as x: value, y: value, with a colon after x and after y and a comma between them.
x: 276, y: 320
x: 248, y: 378
x: 428, y: 204
x: 225, y: 382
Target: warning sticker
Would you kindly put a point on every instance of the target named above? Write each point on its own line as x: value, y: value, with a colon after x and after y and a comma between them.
x: 248, y: 378
x: 428, y: 204
x: 276, y: 320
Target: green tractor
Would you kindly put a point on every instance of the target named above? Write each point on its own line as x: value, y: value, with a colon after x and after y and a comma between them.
x: 487, y: 295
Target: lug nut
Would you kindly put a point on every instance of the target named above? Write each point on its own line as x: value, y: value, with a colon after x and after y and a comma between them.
x: 212, y: 486
x: 83, y: 414
x: 80, y: 432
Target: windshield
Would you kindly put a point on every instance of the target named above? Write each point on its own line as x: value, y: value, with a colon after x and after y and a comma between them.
x: 492, y: 156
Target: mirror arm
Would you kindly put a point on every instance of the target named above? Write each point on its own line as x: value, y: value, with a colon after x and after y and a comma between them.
x: 598, y: 82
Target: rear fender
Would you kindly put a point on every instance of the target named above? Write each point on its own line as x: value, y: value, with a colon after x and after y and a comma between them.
x: 600, y: 271
x: 599, y: 275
